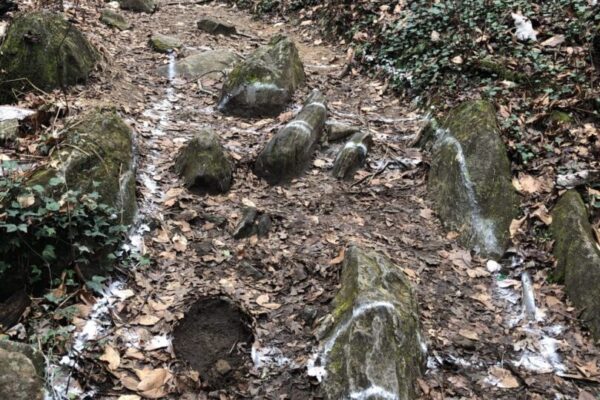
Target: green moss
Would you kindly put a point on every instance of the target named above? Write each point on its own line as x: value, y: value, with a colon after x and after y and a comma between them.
x: 42, y: 50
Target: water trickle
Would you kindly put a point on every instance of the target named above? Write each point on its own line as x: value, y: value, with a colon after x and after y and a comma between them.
x: 483, y: 228
x: 318, y: 362
x: 373, y: 392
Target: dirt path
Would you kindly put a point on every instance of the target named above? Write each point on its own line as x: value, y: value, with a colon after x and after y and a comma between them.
x: 286, y: 281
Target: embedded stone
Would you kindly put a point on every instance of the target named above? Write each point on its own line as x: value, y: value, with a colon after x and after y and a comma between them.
x: 164, y: 44
x: 352, y: 156
x: 215, y: 26
x: 263, y: 83
x: 203, y: 164
x: 114, y: 19
x: 578, y: 257
x: 470, y: 179
x: 19, y: 378
x: 289, y: 152
x: 147, y: 6
x: 208, y: 64
x: 337, y: 131
x: 370, y: 344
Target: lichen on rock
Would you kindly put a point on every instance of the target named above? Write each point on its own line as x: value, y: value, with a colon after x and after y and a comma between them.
x: 470, y: 178
x: 263, y: 83
x: 207, y: 64
x: 578, y: 257
x: 203, y: 164
x: 288, y: 153
x: 114, y: 19
x: 43, y: 51
x: 372, y: 344
x: 21, y: 372
x: 164, y: 43
x: 352, y: 156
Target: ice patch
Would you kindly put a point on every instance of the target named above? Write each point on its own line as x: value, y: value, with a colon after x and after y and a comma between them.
x: 269, y: 356
x: 373, y: 392
x: 524, y: 28
x: 9, y: 112
x: 353, y: 145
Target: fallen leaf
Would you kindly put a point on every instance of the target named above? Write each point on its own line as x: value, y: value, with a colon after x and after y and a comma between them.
x: 504, y: 378
x: 26, y: 200
x: 339, y: 258
x: 553, y: 41
x: 111, y: 356
x: 542, y: 214
x: 469, y: 334
x: 515, y: 226
x: 148, y: 320
x: 151, y: 379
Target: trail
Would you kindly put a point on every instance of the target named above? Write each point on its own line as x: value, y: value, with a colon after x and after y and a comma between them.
x: 467, y: 320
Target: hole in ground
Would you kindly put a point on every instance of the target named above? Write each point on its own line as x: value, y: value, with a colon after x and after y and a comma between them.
x: 214, y: 338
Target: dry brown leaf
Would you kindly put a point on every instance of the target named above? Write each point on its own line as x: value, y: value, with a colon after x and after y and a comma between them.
x: 527, y: 184
x: 26, y: 200
x: 542, y: 214
x: 515, y: 226
x: 129, y: 397
x: 111, y: 356
x: 151, y: 379
x: 505, y: 379
x: 553, y: 41
x: 469, y: 334
x: 339, y: 258
x: 148, y: 320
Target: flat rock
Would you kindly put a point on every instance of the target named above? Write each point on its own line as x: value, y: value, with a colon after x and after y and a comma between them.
x: 352, y: 156
x: 209, y: 64
x: 215, y: 26
x: 114, y: 19
x: 263, y: 83
x: 203, y: 164
x: 578, y: 257
x: 337, y: 131
x: 370, y: 344
x: 147, y: 6
x: 164, y: 43
x: 470, y: 179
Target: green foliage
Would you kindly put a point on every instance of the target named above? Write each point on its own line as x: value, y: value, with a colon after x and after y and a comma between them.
x: 47, y: 230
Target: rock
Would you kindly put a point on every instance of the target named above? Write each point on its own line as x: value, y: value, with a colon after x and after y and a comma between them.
x: 263, y: 83
x: 164, y: 44
x: 578, y: 257
x: 203, y: 165
x: 263, y: 225
x: 352, y: 156
x: 222, y: 367
x: 12, y: 308
x: 497, y: 69
x: 208, y: 64
x: 11, y: 120
x: 372, y: 344
x: 470, y: 179
x: 595, y: 50
x: 426, y: 136
x: 21, y: 372
x: 44, y: 50
x: 288, y: 153
x: 147, y: 6
x: 337, y: 131
x: 216, y: 27
x: 114, y: 19
x: 9, y: 131
x: 246, y: 227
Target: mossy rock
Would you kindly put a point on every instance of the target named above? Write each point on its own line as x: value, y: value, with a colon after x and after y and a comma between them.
x: 208, y: 64
x: 374, y: 339
x: 147, y: 6
x: 352, y: 156
x: 114, y: 19
x: 289, y: 152
x: 204, y: 166
x: 20, y: 374
x: 215, y: 26
x: 578, y: 257
x: 470, y: 179
x: 497, y: 68
x: 164, y: 44
x: 264, y: 83
x: 42, y: 50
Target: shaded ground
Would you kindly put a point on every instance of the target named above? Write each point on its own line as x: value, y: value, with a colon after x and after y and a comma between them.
x: 286, y: 281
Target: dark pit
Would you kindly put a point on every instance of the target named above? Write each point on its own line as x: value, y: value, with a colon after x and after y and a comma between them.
x: 215, y: 338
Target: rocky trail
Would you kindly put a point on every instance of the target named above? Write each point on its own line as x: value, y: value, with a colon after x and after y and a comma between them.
x: 229, y: 310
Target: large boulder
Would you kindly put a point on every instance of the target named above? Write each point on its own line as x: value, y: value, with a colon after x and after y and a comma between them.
x: 371, y: 346
x: 470, y: 178
x: 578, y: 257
x: 44, y: 51
x: 203, y: 164
x: 263, y: 83
x: 288, y: 153
x: 147, y: 6
x: 96, y: 156
x: 208, y: 64
x: 21, y: 372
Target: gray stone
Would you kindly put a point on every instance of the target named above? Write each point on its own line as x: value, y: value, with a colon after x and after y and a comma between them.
x: 370, y: 343
x: 9, y: 131
x: 164, y: 43
x: 352, y: 156
x: 147, y: 6
x: 203, y: 164
x: 209, y: 64
x: 470, y: 179
x: 246, y: 227
x: 578, y: 257
x: 222, y: 367
x: 215, y: 26
x: 19, y: 378
x: 264, y: 83
x: 288, y: 153
x: 337, y: 131
x: 114, y: 19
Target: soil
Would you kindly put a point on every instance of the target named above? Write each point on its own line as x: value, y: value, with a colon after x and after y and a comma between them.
x: 287, y: 280
x: 212, y: 331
